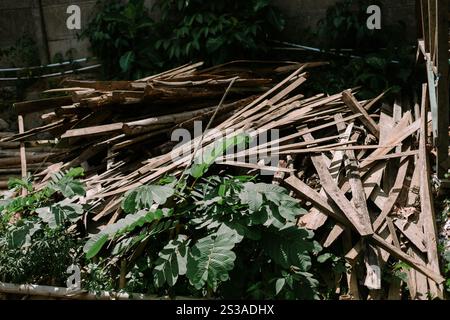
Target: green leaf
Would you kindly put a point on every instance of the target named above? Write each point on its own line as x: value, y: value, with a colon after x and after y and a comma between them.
x: 145, y: 196
x: 214, y: 44
x: 289, y: 247
x: 15, y: 183
x: 212, y: 152
x: 125, y: 225
x: 66, y: 183
x: 56, y: 215
x: 279, y: 285
x: 126, y: 61
x: 95, y: 244
x: 172, y: 262
x: 324, y: 257
x: 21, y: 233
x: 260, y: 4
x: 210, y: 261
x: 75, y: 172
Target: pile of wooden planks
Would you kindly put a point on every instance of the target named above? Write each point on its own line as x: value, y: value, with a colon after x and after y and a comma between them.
x: 361, y: 168
x: 100, y: 123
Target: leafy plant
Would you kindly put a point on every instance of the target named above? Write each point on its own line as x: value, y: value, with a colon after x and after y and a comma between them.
x: 377, y: 60
x: 447, y: 270
x: 122, y: 36
x: 67, y: 184
x: 35, y: 242
x: 214, y: 227
x: 131, y: 44
x: 125, y: 225
x: 216, y: 31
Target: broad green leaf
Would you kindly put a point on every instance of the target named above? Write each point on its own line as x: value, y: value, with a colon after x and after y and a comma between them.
x: 212, y: 152
x: 253, y: 193
x: 289, y: 247
x: 21, y: 233
x: 95, y: 244
x: 126, y: 61
x: 210, y: 261
x: 279, y: 285
x: 145, y: 196
x: 66, y: 183
x: 75, y: 172
x: 172, y: 262
x: 56, y: 215
x: 324, y: 257
x: 125, y: 225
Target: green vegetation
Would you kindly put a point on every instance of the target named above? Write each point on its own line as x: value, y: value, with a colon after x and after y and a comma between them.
x: 131, y: 44
x: 35, y: 243
x: 205, y: 235
x: 383, y: 59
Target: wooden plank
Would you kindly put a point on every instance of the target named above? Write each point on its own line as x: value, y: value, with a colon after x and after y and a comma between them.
x: 334, y: 234
x: 397, y: 138
x: 354, y: 105
x: 31, y: 106
x: 432, y: 97
x: 431, y: 274
x: 304, y: 191
x: 414, y: 187
x: 358, y: 195
x: 392, y: 156
x: 352, y: 280
x: 425, y: 24
x: 393, y: 195
x: 379, y: 197
x: 23, y: 156
x: 95, y: 130
x: 361, y: 222
x: 368, y: 106
x: 287, y: 90
x: 421, y: 279
x: 426, y: 205
x: 373, y: 270
x: 432, y: 27
x: 412, y: 232
x: 314, y: 219
x: 388, y: 205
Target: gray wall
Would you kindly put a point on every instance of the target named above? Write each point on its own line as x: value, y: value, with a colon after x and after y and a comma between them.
x: 18, y: 17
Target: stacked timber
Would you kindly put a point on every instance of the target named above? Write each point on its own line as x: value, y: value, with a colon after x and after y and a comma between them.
x: 360, y: 168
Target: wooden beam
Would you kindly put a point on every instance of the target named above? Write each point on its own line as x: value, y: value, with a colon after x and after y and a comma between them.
x: 426, y: 205
x: 41, y: 105
x: 306, y: 192
x: 354, y: 105
x: 23, y: 155
x: 361, y: 222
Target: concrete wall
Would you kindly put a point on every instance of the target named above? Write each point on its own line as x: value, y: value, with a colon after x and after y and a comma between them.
x: 24, y: 17
x: 61, y: 39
